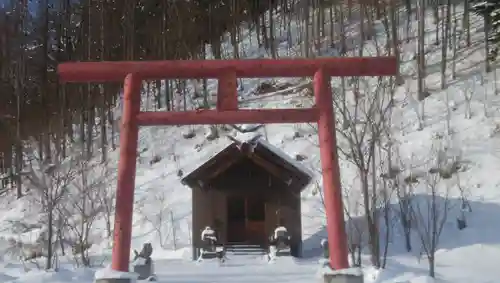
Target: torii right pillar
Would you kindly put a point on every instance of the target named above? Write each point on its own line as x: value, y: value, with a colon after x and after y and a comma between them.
x: 337, y: 271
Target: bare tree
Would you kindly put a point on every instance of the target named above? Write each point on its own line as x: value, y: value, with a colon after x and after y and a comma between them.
x: 367, y: 110
x: 389, y: 181
x: 430, y: 212
x: 305, y: 18
x: 84, y: 205
x: 468, y: 89
x: 444, y: 42
x: 421, y: 62
x: 455, y: 43
x: 448, y: 111
x: 484, y: 90
x: 358, y: 144
x: 160, y: 218
x: 49, y: 179
x: 106, y: 198
x: 404, y: 175
x: 356, y: 224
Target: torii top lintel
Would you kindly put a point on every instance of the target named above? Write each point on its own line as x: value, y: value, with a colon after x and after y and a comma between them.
x: 107, y: 71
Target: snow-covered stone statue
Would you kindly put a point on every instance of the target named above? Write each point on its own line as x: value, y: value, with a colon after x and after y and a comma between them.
x: 143, y: 264
x: 462, y: 219
x: 281, y: 236
x: 209, y: 236
x: 279, y: 242
x: 324, y: 247
x: 211, y: 248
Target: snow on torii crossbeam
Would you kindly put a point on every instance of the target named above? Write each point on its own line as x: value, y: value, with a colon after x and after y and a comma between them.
x: 227, y: 112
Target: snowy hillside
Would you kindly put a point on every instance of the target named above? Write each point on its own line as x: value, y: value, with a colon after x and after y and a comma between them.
x: 462, y: 122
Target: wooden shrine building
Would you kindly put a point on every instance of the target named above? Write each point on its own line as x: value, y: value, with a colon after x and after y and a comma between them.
x: 245, y: 191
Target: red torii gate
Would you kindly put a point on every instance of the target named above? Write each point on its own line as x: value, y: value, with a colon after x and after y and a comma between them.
x: 227, y: 112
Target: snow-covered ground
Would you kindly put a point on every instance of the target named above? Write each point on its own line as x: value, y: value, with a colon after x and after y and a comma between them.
x: 163, y: 204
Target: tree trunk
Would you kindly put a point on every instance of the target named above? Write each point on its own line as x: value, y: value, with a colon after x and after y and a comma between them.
x: 305, y: 22
x: 50, y: 215
x: 444, y: 45
x: 421, y: 50
x: 432, y: 265
x: 466, y: 22
x: 487, y: 29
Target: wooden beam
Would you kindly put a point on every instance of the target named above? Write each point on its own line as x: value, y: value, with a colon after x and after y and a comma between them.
x: 223, y: 168
x: 273, y: 169
x: 251, y: 68
x: 242, y: 116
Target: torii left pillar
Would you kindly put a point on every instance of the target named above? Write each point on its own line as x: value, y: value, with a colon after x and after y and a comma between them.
x: 227, y: 112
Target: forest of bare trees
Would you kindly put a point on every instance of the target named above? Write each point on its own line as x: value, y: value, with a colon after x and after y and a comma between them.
x: 36, y: 35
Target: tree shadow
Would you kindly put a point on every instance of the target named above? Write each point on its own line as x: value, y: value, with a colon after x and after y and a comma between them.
x: 396, y: 270
x: 462, y: 76
x: 479, y: 228
x: 311, y: 246
x: 462, y: 55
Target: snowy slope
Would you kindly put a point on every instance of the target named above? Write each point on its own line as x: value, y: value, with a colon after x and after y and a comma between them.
x: 464, y: 256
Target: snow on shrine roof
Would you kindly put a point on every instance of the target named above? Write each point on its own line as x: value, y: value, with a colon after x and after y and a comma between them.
x: 256, y: 142
x: 286, y: 157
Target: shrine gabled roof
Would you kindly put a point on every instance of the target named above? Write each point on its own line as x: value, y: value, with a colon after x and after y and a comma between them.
x: 256, y: 147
